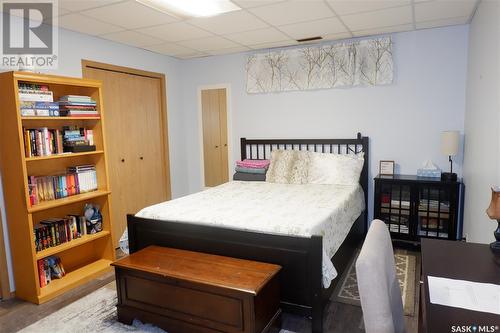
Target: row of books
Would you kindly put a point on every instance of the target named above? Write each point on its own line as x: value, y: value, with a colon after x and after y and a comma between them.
x: 38, y: 100
x: 46, y: 142
x: 76, y: 180
x: 43, y: 142
x: 40, y: 109
x: 55, y: 231
x: 48, y: 269
x: 31, y: 92
x: 77, y: 106
x: 78, y: 139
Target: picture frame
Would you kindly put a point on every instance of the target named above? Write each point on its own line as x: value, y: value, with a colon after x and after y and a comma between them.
x: 386, y: 168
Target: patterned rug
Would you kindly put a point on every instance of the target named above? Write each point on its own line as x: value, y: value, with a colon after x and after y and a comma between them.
x: 405, y: 270
x: 93, y: 313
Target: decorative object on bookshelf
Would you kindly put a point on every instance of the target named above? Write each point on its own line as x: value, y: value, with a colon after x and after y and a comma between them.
x: 386, y: 168
x: 93, y: 218
x: 493, y: 212
x: 36, y: 191
x: 449, y: 147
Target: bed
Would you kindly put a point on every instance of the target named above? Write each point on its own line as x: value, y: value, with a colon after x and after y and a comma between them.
x: 278, y: 236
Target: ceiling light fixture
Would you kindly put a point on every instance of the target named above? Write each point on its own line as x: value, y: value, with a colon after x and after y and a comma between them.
x: 191, y: 8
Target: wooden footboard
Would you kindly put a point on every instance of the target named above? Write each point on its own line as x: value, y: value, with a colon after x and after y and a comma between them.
x: 301, y: 257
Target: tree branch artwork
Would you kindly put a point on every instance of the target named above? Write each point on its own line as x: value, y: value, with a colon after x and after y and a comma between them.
x: 347, y: 64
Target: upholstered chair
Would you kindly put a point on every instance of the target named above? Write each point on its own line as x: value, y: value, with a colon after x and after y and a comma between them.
x: 378, y: 286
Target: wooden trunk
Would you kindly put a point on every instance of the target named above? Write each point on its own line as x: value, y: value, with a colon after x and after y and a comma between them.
x: 184, y: 291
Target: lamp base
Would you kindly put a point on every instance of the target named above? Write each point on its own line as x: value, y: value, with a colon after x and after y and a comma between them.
x: 449, y: 177
x: 495, y: 246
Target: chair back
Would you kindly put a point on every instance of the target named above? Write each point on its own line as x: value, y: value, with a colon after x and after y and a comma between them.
x: 377, y: 283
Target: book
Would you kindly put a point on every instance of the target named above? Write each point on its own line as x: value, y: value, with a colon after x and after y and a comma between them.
x: 76, y: 180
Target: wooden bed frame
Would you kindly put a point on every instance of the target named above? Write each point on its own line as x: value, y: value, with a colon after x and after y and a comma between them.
x: 301, y: 257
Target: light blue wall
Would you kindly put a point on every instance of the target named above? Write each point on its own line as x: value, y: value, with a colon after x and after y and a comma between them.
x: 404, y: 120
x: 482, y: 121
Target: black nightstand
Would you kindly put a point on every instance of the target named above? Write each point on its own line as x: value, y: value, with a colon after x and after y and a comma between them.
x: 415, y: 207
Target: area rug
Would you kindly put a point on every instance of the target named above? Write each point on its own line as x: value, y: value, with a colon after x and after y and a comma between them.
x: 405, y: 270
x: 93, y: 313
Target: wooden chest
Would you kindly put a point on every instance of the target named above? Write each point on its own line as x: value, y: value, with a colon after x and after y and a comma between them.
x: 184, y: 291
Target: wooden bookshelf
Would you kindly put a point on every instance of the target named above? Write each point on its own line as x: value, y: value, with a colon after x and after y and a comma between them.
x: 83, y: 258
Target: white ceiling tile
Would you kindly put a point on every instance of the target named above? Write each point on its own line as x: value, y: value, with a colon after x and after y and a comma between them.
x: 228, y: 50
x: 436, y: 10
x: 271, y: 45
x: 86, y: 25
x: 229, y: 22
x: 79, y: 5
x: 130, y: 15
x: 293, y: 12
x: 383, y: 30
x: 342, y: 35
x: 191, y: 55
x: 345, y: 7
x: 174, y: 32
x: 254, y: 3
x: 260, y: 36
x: 380, y: 18
x: 133, y: 38
x: 322, y: 27
x: 442, y: 22
x: 210, y: 43
x: 169, y: 49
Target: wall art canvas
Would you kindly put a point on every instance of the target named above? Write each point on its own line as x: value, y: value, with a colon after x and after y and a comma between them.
x: 348, y: 64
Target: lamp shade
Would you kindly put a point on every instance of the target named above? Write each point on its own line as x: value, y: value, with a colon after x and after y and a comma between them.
x: 493, y: 210
x: 449, y: 142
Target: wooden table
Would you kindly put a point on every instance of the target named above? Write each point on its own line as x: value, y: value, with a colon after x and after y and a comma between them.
x: 456, y: 260
x: 184, y: 291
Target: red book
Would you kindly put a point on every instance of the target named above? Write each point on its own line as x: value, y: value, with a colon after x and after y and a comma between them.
x: 41, y: 273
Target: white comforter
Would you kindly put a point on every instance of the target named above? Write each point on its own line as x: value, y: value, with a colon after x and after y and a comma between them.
x: 286, y: 209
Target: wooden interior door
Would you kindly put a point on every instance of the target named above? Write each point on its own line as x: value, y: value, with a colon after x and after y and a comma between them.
x: 215, y: 150
x: 135, y: 128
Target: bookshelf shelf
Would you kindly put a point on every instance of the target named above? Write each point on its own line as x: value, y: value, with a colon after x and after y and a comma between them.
x: 71, y: 244
x: 83, y: 258
x: 65, y: 155
x: 60, y: 118
x: 73, y: 279
x: 67, y: 201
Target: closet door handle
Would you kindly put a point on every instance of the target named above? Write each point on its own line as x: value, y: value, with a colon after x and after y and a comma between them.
x: 141, y: 158
x: 225, y: 145
x: 216, y: 146
x: 123, y: 160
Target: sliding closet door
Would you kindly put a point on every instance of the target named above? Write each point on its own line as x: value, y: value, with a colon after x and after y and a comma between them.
x: 135, y: 128
x: 215, y: 150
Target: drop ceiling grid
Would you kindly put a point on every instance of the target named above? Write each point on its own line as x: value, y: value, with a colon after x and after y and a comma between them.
x: 352, y: 19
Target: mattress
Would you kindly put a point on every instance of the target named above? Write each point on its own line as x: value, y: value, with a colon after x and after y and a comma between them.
x: 285, y: 209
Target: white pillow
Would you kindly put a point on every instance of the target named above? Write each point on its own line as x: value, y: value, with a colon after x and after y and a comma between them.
x: 337, y: 169
x: 288, y: 167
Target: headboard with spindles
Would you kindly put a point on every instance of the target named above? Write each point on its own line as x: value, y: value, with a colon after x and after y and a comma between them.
x: 261, y: 149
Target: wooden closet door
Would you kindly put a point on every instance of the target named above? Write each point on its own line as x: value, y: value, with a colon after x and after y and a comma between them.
x: 138, y: 167
x: 215, y: 150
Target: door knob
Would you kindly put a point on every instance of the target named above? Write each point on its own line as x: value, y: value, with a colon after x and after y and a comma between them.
x: 225, y: 145
x: 141, y: 158
x: 216, y: 146
x: 123, y: 160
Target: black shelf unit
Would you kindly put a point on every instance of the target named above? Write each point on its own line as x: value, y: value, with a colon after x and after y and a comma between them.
x: 414, y: 207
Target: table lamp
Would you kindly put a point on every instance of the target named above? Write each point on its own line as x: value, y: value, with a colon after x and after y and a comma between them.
x: 493, y: 212
x: 449, y: 147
